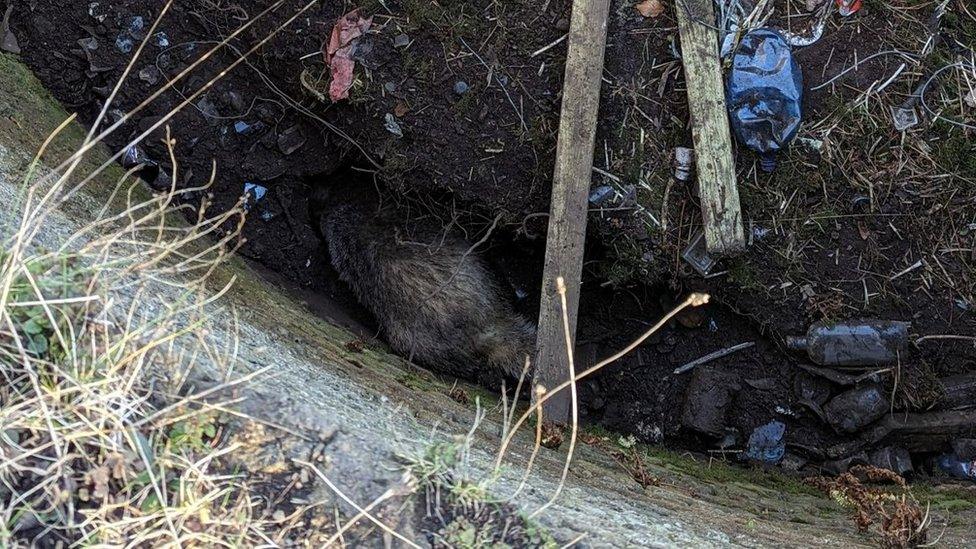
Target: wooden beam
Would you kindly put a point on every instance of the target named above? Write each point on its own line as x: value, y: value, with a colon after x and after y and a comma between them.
x: 570, y: 190
x: 710, y: 127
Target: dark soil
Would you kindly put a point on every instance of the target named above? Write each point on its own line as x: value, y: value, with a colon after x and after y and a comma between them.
x: 840, y: 223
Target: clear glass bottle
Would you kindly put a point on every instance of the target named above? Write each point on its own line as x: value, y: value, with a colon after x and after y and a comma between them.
x: 853, y: 343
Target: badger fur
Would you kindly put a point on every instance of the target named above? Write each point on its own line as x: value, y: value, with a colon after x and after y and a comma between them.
x: 433, y: 301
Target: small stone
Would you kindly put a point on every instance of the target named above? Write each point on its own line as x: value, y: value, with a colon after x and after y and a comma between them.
x: 893, y: 459
x: 291, y: 140
x: 841, y: 466
x: 562, y: 24
x: 390, y: 87
x: 278, y: 516
x: 461, y: 87
x: 856, y: 409
x: 401, y: 41
x: 708, y: 400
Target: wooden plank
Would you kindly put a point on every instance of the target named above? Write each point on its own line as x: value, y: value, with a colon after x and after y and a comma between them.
x: 570, y: 190
x: 710, y: 127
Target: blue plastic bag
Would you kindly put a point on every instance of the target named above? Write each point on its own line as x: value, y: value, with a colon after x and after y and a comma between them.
x: 765, y: 91
x: 766, y: 443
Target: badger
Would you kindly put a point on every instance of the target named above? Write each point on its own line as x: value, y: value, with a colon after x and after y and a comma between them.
x: 434, y: 300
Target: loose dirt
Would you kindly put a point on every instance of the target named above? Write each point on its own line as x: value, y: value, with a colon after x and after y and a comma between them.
x: 869, y: 222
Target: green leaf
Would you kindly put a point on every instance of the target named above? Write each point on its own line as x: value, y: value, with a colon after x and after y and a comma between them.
x: 33, y: 327
x: 150, y: 504
x: 38, y: 345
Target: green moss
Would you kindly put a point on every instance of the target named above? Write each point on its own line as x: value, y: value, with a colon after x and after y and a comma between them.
x: 951, y: 500
x: 953, y: 152
x: 416, y: 382
x: 742, y: 272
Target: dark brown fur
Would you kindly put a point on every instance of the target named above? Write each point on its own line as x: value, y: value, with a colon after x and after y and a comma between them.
x: 433, y: 304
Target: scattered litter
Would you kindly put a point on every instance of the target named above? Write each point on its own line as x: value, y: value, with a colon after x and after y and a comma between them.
x: 854, y: 343
x: 786, y: 411
x: 393, y: 126
x: 713, y: 356
x: 765, y: 92
x: 893, y: 459
x: 848, y: 7
x: 600, y: 195
x: 815, y: 145
x: 253, y: 194
x: 161, y: 39
x: 126, y: 40
x: 340, y: 52
x: 150, y: 172
x: 207, y: 107
x: 650, y: 8
x: 766, y: 443
x: 697, y: 255
x: 904, y: 117
x: 856, y: 409
x: 684, y: 163
x: 401, y: 41
x: 965, y: 448
x: 759, y: 233
x: 88, y: 44
x: 8, y: 41
x: 291, y: 140
x: 149, y: 75
x: 957, y: 468
x: 461, y: 87
x: 95, y: 12
x: 708, y: 400
x: 243, y: 128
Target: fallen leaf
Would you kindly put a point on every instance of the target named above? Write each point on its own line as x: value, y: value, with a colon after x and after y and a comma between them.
x: 99, y: 478
x: 400, y: 109
x: 650, y: 8
x: 340, y: 50
x: 864, y: 231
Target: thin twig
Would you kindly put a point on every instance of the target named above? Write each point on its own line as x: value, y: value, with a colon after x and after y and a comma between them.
x: 713, y: 356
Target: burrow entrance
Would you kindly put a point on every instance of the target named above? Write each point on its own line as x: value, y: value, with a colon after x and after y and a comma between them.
x: 263, y: 126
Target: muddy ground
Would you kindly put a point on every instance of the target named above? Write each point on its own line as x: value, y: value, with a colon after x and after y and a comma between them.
x: 867, y: 222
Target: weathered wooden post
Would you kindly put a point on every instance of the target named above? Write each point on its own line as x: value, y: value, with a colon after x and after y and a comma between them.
x: 570, y: 189
x: 710, y: 127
